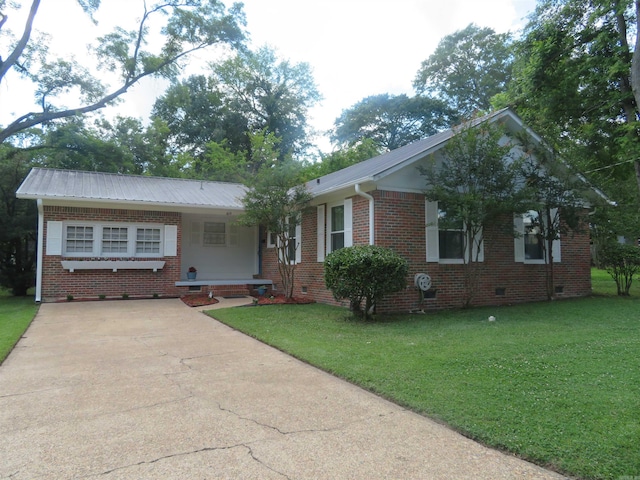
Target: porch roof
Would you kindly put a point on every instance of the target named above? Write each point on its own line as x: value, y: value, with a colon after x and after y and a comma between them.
x: 54, y: 184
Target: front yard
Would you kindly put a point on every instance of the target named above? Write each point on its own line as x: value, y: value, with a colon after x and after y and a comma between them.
x: 557, y: 383
x: 16, y: 314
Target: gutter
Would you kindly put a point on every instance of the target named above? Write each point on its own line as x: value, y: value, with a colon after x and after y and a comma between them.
x: 39, y: 251
x: 371, y: 213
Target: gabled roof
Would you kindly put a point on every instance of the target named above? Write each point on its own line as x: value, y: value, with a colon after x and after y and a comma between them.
x: 382, y: 165
x: 53, y: 184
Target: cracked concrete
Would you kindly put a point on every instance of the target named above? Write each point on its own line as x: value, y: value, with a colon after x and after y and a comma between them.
x: 154, y: 389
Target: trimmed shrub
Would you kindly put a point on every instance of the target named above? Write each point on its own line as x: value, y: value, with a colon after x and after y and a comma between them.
x: 622, y: 262
x: 364, y: 272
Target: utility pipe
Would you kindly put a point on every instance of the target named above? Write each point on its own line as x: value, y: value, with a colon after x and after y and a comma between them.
x: 371, y: 213
x: 39, y: 251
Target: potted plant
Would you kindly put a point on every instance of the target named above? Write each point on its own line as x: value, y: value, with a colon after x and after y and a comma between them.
x: 262, y: 289
x: 191, y: 273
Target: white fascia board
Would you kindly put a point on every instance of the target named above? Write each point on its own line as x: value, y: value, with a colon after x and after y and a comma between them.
x: 129, y: 205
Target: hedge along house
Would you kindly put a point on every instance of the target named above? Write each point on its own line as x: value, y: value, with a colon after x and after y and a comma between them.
x: 109, y: 235
x: 381, y: 201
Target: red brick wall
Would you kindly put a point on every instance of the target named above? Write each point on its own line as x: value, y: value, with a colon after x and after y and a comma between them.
x: 57, y: 283
x: 400, y: 225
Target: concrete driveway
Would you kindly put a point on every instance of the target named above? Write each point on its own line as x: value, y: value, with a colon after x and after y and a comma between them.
x: 154, y: 389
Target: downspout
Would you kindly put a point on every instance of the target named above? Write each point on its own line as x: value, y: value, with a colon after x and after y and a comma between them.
x: 39, y: 251
x: 371, y: 213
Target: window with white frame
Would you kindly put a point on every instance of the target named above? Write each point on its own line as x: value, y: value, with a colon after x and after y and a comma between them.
x: 79, y: 239
x: 445, y: 238
x: 533, y: 241
x: 215, y: 234
x: 112, y: 240
x: 272, y: 239
x: 293, y: 243
x: 147, y: 241
x: 529, y: 243
x: 450, y: 237
x: 337, y: 228
x: 334, y: 228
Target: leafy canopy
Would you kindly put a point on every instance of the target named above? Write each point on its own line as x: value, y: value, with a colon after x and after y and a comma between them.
x: 391, y: 121
x: 187, y: 26
x: 467, y: 69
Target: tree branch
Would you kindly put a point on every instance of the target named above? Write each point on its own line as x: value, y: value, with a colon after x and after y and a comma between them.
x: 35, y: 118
x: 26, y: 35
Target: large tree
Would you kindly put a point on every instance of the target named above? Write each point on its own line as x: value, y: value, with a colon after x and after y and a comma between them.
x: 467, y: 69
x: 391, y: 121
x: 187, y: 26
x: 17, y: 223
x: 195, y: 113
x: 571, y: 83
x: 271, y: 94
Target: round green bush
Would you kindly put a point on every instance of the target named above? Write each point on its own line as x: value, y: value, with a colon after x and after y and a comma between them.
x: 364, y: 272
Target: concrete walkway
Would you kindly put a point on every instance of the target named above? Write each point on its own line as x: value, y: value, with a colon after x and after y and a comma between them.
x: 154, y: 389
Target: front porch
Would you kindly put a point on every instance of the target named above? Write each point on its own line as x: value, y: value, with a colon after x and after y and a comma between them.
x: 223, y: 288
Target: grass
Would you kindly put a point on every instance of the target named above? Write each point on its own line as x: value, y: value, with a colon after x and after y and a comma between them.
x: 16, y: 314
x: 603, y: 284
x: 557, y: 383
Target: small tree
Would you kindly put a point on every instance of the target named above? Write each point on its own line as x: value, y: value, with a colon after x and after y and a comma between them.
x: 622, y: 262
x: 553, y: 195
x: 276, y: 201
x: 364, y: 272
x: 476, y: 184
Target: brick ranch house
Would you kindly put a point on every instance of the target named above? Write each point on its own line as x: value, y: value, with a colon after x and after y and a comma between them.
x: 108, y: 234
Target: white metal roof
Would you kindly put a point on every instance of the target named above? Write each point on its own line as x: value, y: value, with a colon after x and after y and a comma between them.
x: 53, y: 184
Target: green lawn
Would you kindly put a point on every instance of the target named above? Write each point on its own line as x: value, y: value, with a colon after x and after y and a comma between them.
x: 16, y: 314
x: 557, y: 383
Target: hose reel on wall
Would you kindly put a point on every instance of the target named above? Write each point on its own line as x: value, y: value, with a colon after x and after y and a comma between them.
x: 422, y: 281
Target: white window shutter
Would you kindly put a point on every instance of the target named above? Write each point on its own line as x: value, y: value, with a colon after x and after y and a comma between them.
x: 170, y: 240
x: 481, y: 249
x: 320, y: 233
x: 518, y: 239
x: 196, y: 233
x: 54, y: 238
x: 432, y: 237
x: 348, y: 222
x: 298, y: 243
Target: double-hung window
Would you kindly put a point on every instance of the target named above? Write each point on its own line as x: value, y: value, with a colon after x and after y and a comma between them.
x: 293, y: 245
x: 445, y: 238
x: 337, y: 227
x: 450, y: 237
x: 529, y: 243
x: 533, y: 241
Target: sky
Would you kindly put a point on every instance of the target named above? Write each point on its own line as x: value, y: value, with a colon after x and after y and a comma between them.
x: 356, y: 48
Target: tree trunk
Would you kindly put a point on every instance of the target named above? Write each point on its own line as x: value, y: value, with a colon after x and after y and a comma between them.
x: 635, y: 80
